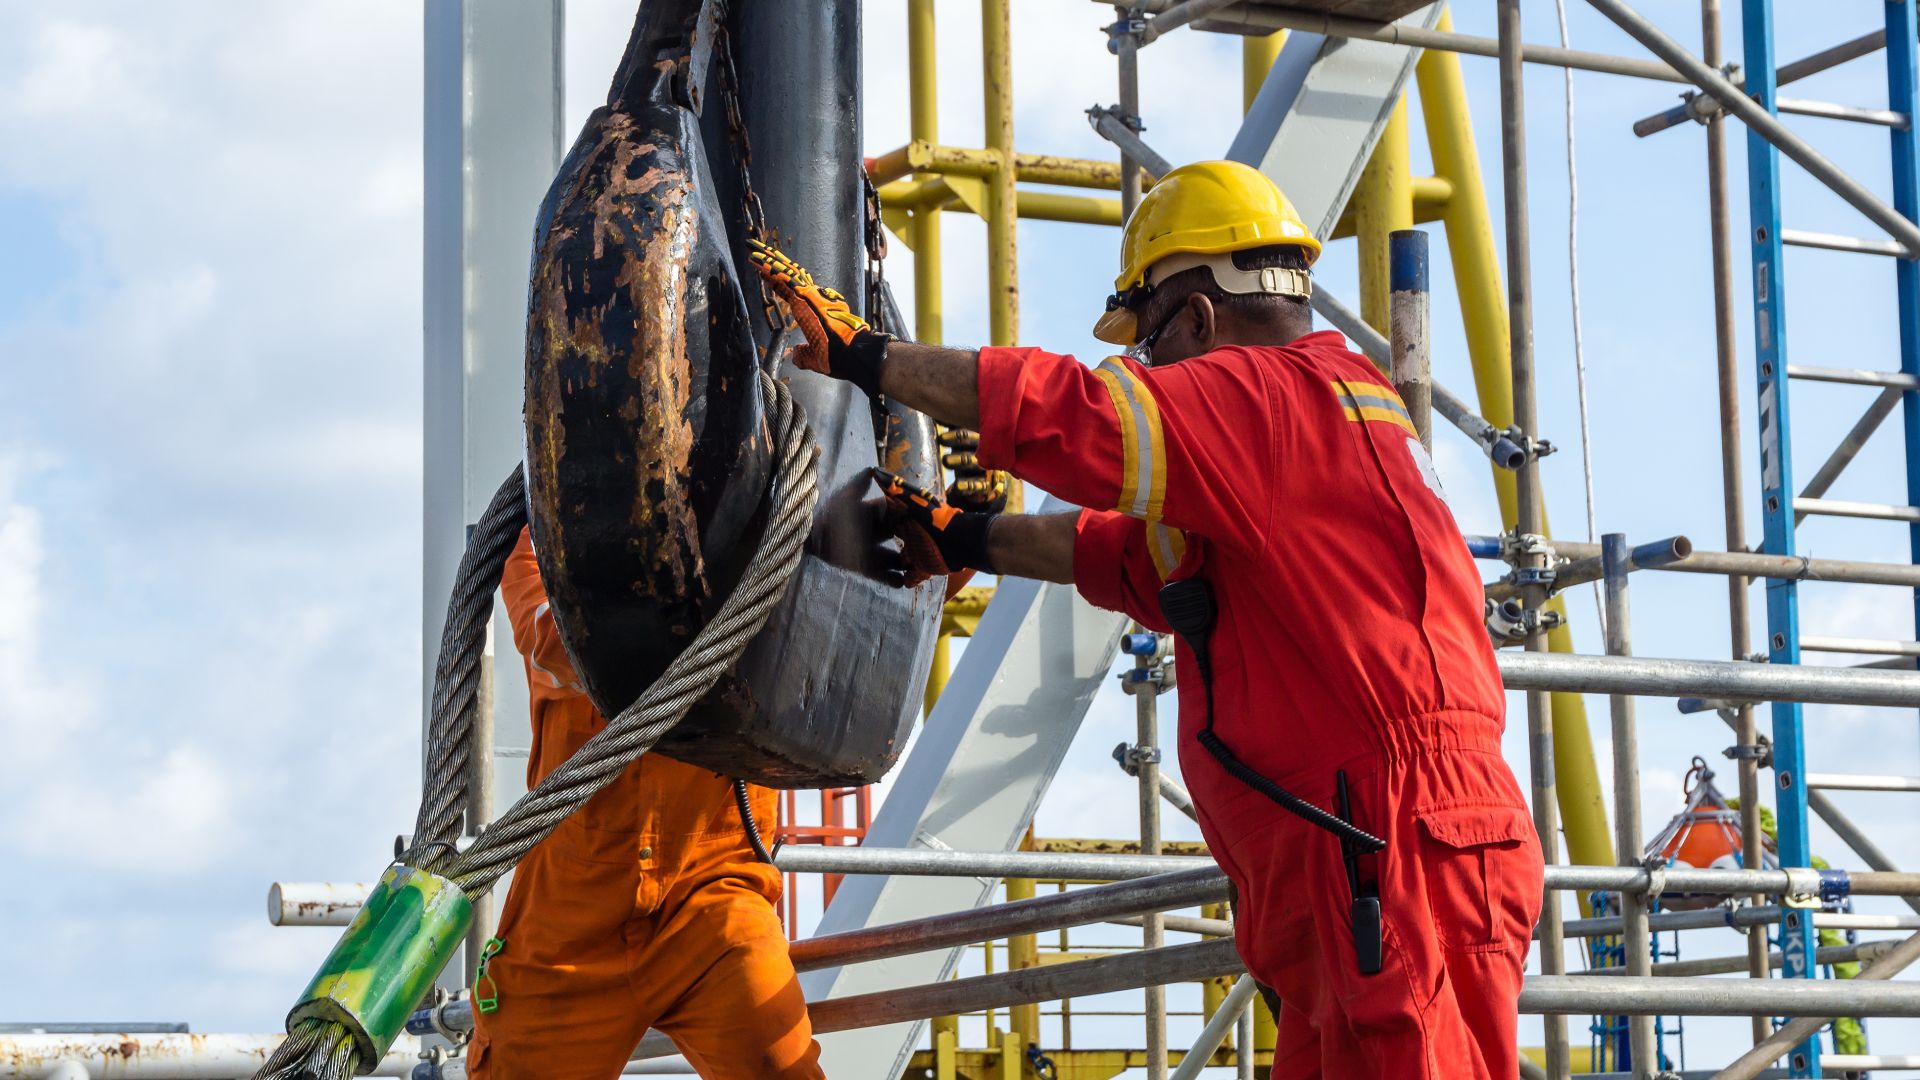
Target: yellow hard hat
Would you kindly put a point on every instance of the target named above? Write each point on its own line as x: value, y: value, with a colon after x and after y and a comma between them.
x: 1206, y: 208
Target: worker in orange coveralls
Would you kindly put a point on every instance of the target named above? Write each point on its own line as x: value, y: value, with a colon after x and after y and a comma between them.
x: 1277, y: 471
x: 647, y: 908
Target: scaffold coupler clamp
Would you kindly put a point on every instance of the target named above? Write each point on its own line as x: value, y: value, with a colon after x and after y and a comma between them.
x: 388, y: 959
x: 1506, y: 620
x: 1760, y: 753
x: 1131, y: 757
x: 1805, y: 888
x: 1836, y: 886
x: 433, y: 1019
x: 1517, y: 548
x: 1530, y: 446
x: 1131, y: 24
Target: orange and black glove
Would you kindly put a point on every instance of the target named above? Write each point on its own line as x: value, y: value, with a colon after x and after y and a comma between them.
x: 839, y: 343
x: 936, y: 539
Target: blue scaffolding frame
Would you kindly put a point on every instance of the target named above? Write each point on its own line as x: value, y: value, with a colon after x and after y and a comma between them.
x: 1797, y: 935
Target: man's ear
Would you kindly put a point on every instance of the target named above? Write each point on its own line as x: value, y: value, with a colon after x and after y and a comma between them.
x: 1203, y: 320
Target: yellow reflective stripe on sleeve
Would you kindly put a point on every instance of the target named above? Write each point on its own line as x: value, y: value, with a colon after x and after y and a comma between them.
x: 1143, y: 457
x: 1143, y: 466
x: 1362, y: 401
x: 1391, y: 416
x: 1129, y: 438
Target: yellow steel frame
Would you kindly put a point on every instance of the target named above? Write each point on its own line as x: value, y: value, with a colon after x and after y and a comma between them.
x: 923, y: 179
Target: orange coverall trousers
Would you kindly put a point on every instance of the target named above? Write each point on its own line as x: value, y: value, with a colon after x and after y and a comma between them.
x: 646, y: 908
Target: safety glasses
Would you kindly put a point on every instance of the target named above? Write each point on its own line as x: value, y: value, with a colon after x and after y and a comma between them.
x: 1142, y: 349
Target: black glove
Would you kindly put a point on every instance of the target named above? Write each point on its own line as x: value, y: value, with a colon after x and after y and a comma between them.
x: 839, y: 343
x: 936, y: 539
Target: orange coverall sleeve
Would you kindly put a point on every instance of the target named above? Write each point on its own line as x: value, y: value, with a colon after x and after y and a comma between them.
x: 1184, y: 448
x: 549, y: 669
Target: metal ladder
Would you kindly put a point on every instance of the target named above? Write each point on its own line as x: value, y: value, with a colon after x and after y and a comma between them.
x: 1782, y: 509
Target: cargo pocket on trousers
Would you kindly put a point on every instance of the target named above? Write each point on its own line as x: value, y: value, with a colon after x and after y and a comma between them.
x: 1466, y: 853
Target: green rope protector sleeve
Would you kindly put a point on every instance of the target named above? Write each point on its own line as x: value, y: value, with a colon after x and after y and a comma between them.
x: 387, y: 960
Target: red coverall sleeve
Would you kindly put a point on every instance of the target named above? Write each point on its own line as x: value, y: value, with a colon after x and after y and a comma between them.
x: 534, y: 632
x: 1113, y: 567
x: 1184, y: 448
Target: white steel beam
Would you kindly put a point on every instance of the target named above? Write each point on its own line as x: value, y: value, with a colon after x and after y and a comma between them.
x: 1322, y: 108
x: 493, y: 94
x: 978, y: 771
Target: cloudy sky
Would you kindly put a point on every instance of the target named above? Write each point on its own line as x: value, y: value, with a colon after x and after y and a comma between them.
x: 210, y: 399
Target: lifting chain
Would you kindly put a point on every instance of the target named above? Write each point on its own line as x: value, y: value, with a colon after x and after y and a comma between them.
x: 752, y: 213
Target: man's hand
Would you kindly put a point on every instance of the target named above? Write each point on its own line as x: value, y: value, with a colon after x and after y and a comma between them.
x: 839, y: 343
x: 936, y: 539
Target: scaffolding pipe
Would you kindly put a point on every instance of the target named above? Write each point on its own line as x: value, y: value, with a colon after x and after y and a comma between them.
x: 1617, y: 560
x: 1163, y: 892
x: 1078, y: 866
x: 1200, y: 1055
x: 134, y: 1056
x: 1721, y: 679
x: 1109, y: 124
x: 1762, y: 123
x: 1860, y: 952
x: 1145, y: 688
x: 1532, y: 519
x: 1570, y: 995
x: 1649, y: 556
x: 315, y: 903
x: 1707, y: 110
x: 1542, y: 994
x: 1108, y: 974
x: 1727, y: 385
x: 1257, y: 17
x: 1861, y: 646
x: 1740, y: 918
x: 1126, y: 45
x: 1412, y: 369
x: 1750, y: 564
x: 1184, y: 924
x: 1781, y: 1042
x: 1177, y: 17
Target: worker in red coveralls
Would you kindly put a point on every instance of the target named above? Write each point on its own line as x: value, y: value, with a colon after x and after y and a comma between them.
x: 1332, y: 615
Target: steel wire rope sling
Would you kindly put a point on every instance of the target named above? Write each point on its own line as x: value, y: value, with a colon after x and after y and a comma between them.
x: 419, y: 912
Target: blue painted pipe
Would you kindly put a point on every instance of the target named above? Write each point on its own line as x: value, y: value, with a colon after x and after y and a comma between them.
x: 1407, y: 260
x: 1140, y: 644
x: 1660, y: 553
x: 1484, y: 547
x: 1506, y: 453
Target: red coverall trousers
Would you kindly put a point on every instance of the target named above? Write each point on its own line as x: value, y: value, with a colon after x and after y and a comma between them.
x: 1349, y: 638
x: 645, y: 909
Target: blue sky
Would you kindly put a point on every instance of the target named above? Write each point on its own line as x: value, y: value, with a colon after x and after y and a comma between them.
x: 210, y: 439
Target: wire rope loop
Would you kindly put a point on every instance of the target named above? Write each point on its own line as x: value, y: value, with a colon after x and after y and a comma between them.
x: 325, y: 1050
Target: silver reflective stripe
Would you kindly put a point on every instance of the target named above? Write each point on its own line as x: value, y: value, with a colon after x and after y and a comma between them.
x: 1371, y: 401
x: 1142, y: 441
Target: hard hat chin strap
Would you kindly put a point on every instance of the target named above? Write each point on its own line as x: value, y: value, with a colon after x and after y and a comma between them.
x: 1268, y: 280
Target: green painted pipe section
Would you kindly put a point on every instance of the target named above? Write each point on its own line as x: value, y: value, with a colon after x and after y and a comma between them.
x: 384, y: 965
